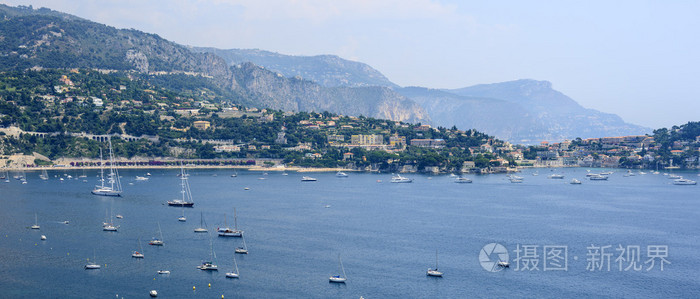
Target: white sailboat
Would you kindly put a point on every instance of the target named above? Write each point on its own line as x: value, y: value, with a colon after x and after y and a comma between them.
x: 242, y: 250
x: 109, y: 226
x: 186, y: 199
x: 209, y: 265
x: 182, y: 218
x: 233, y: 274
x: 138, y: 254
x: 91, y: 264
x: 44, y: 176
x: 338, y: 278
x: 157, y: 241
x: 434, y: 272
x: 115, y: 185
x: 36, y: 222
x: 202, y: 225
x: 228, y: 232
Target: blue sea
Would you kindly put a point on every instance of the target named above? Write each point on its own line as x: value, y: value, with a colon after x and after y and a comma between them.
x: 386, y: 234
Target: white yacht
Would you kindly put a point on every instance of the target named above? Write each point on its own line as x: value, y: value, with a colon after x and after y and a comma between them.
x: 186, y: 200
x: 683, y: 181
x: 182, y: 218
x: 157, y: 241
x: 598, y: 177
x: 234, y: 273
x: 153, y: 293
x: 434, y: 272
x: 463, y: 180
x: 202, y: 225
x: 163, y: 272
x: 515, y: 179
x: 109, y: 226
x: 44, y: 176
x: 338, y: 278
x: 341, y: 174
x: 115, y: 185
x: 91, y: 264
x: 138, y: 254
x: 307, y: 179
x: 400, y: 179
x: 209, y: 265
x: 242, y: 250
x: 36, y: 223
x: 141, y: 178
x: 228, y: 232
x: 575, y: 182
x: 556, y: 176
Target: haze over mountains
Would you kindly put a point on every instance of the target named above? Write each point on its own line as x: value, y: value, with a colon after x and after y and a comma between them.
x: 522, y: 111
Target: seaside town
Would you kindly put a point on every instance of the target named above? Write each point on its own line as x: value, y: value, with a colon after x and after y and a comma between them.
x: 59, y: 128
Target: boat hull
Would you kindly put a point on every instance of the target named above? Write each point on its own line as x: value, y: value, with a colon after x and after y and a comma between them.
x: 106, y: 192
x: 181, y: 204
x: 336, y: 279
x: 434, y: 273
x: 236, y: 234
x: 208, y: 267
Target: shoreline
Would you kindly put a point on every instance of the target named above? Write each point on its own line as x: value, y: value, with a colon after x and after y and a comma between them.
x: 268, y: 169
x: 233, y: 167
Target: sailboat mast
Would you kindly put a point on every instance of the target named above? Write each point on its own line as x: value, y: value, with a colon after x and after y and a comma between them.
x: 182, y: 182
x: 341, y: 266
x: 235, y: 219
x: 102, y: 169
x: 114, y: 174
x: 160, y: 232
x: 436, y: 259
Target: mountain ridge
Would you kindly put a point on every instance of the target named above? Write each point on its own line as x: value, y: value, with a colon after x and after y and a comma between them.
x: 520, y: 111
x: 327, y: 70
x: 562, y: 116
x: 44, y: 38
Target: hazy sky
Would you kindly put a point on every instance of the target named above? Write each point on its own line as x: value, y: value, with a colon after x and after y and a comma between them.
x: 638, y: 59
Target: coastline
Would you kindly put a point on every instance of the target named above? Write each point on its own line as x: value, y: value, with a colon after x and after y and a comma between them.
x: 233, y: 167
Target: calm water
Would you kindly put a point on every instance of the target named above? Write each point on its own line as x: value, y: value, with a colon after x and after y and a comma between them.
x: 386, y: 233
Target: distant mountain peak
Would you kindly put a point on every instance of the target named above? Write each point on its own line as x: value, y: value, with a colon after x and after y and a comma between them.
x: 327, y: 70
